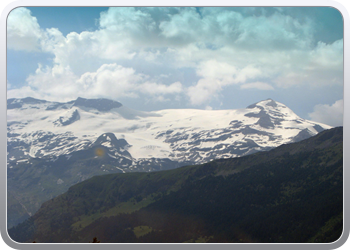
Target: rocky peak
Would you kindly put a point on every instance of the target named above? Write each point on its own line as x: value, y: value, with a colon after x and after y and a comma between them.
x: 264, y: 103
x: 100, y: 104
x: 270, y: 113
x: 116, y: 147
x: 110, y: 140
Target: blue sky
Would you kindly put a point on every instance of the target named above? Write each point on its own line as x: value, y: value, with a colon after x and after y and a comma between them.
x: 156, y: 58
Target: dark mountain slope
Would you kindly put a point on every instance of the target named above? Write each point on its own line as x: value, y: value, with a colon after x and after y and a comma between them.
x: 293, y: 193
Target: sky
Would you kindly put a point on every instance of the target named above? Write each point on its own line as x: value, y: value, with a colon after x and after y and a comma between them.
x: 160, y: 58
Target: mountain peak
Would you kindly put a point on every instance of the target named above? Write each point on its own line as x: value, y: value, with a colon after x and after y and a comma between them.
x: 268, y: 102
x: 110, y: 141
x: 13, y: 103
x: 271, y: 113
x: 100, y: 104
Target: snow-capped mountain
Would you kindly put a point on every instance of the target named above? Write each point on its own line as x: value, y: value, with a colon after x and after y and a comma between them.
x: 38, y: 128
x: 52, y: 146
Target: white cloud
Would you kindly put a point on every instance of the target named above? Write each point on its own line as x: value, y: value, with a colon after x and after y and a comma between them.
x: 8, y: 84
x: 223, y: 27
x: 320, y: 66
x: 183, y: 27
x: 222, y: 46
x: 110, y: 80
x: 329, y: 114
x: 216, y: 70
x: 204, y: 91
x: 25, y: 91
x: 23, y: 30
x: 277, y: 31
x: 257, y: 85
x: 157, y: 88
x: 215, y: 76
x: 128, y: 20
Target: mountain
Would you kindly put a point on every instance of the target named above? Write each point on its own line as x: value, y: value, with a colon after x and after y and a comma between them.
x: 33, y: 181
x: 53, y: 145
x: 38, y: 128
x: 293, y: 193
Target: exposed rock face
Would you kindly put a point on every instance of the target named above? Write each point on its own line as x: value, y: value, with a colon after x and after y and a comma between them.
x: 68, y: 118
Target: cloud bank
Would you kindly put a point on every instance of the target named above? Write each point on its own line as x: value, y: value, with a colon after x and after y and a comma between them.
x: 329, y: 114
x: 132, y: 47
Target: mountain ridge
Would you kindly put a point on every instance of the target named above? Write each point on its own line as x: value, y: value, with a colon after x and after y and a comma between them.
x: 44, y: 140
x: 161, y: 134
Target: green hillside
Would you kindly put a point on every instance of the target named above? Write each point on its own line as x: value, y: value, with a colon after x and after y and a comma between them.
x: 293, y: 193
